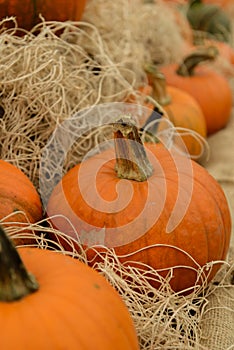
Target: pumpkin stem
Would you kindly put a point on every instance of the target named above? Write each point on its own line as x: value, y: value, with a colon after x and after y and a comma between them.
x: 190, y: 62
x: 209, y: 19
x: 15, y: 281
x: 158, y: 81
x: 131, y: 159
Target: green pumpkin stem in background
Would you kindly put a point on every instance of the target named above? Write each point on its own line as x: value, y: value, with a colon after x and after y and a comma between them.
x: 209, y: 19
x: 191, y: 61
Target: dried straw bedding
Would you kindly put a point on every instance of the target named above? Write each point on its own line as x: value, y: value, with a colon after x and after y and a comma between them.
x: 45, y: 79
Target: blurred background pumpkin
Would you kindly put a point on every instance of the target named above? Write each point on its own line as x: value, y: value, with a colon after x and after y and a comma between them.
x: 27, y: 13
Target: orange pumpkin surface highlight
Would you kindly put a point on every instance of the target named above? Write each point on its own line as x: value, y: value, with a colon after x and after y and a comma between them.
x: 61, y: 303
x: 210, y: 89
x: 130, y: 212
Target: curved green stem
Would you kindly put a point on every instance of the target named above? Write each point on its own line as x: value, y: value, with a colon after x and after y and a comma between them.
x: 190, y: 62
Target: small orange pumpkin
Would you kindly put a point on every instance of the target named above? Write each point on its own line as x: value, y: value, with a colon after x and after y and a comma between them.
x: 27, y: 15
x: 211, y: 90
x: 181, y: 108
x: 20, y: 201
x: 62, y: 303
x: 124, y: 199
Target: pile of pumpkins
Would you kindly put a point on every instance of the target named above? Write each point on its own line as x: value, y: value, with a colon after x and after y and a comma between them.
x: 196, y: 93
x: 178, y: 219
x: 70, y: 298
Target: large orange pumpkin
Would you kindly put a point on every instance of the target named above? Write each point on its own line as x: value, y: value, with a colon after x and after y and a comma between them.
x: 181, y: 108
x: 150, y: 205
x: 20, y: 201
x: 61, y: 303
x: 211, y: 90
x: 27, y: 13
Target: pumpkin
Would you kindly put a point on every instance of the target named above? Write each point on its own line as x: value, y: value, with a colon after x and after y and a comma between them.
x: 181, y: 108
x: 149, y: 204
x: 210, y: 89
x: 20, y: 201
x: 51, y: 301
x: 27, y: 16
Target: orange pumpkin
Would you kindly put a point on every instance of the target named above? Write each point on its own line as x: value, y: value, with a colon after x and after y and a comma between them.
x: 150, y: 205
x: 182, y: 109
x: 211, y: 90
x: 27, y: 15
x: 62, y: 304
x: 20, y: 201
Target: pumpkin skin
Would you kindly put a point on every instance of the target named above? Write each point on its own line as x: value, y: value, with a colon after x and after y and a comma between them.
x: 185, y: 112
x: 181, y: 109
x: 75, y: 308
x: 27, y: 15
x: 206, y: 86
x: 18, y: 193
x: 204, y: 232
